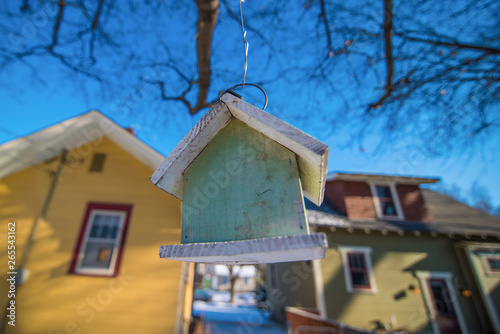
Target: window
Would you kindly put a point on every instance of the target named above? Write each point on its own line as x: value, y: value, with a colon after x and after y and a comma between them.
x: 491, y: 262
x: 386, y: 201
x: 358, y: 269
x: 387, y: 206
x: 494, y: 264
x: 100, y: 244
x: 97, y: 162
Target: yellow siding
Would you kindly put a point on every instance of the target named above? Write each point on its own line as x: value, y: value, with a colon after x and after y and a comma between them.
x: 143, y: 298
x: 395, y: 260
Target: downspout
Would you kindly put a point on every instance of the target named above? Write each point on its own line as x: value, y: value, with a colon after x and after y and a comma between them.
x: 34, y: 231
x: 43, y: 214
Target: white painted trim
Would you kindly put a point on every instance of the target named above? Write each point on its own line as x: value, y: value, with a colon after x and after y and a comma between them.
x: 344, y: 251
x: 252, y: 251
x: 423, y: 276
x: 116, y: 248
x: 395, y: 198
x: 319, y: 288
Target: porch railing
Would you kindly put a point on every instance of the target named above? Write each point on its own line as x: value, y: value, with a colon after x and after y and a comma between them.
x: 306, y: 322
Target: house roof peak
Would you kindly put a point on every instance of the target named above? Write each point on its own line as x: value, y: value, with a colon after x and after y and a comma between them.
x: 40, y: 146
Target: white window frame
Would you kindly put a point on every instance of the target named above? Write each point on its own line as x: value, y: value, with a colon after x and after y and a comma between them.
x: 366, y: 251
x: 423, y: 276
x: 395, y: 198
x: 484, y: 256
x: 116, y: 248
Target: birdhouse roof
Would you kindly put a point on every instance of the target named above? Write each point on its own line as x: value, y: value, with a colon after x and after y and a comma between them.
x: 312, y: 155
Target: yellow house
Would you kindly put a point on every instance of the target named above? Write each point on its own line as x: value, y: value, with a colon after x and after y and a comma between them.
x: 80, y: 229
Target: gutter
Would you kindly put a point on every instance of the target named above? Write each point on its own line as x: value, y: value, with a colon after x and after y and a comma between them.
x: 21, y: 270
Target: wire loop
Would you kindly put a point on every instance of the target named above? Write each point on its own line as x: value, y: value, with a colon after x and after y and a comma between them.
x: 254, y: 85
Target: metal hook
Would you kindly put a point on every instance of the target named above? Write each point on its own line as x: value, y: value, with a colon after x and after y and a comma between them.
x: 254, y: 85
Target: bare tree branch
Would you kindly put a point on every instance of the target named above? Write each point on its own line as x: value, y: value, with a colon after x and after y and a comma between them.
x: 389, y: 87
x: 454, y: 44
x: 25, y: 6
x: 388, y: 43
x: 95, y: 22
x: 61, y: 4
x: 398, y: 54
x: 323, y: 16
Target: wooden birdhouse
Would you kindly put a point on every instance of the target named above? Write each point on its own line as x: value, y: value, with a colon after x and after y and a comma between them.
x: 241, y: 175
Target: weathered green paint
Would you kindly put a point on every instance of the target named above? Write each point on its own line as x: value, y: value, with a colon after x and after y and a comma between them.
x: 243, y: 185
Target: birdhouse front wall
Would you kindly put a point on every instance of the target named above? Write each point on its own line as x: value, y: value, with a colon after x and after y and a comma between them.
x: 243, y: 185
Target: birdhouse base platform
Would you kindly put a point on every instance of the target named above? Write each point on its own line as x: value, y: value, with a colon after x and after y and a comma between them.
x: 252, y: 251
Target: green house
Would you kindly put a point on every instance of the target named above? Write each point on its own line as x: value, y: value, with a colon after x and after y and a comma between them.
x: 400, y: 258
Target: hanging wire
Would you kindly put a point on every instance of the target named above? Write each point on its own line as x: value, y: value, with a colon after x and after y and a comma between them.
x: 245, y: 43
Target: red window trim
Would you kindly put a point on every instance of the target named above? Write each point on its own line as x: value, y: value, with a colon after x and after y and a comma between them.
x: 365, y: 271
x: 101, y: 206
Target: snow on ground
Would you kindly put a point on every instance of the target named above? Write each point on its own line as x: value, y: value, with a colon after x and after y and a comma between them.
x: 236, y: 320
x: 243, y: 317
x: 240, y: 299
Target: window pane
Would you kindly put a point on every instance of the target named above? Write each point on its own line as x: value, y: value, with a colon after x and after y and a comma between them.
x: 359, y: 280
x: 98, y: 254
x: 388, y: 208
x: 357, y: 261
x: 494, y: 264
x: 442, y: 298
x: 384, y: 192
x: 358, y: 270
x: 105, y: 226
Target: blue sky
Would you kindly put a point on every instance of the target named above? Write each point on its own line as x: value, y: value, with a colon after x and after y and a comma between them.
x: 29, y: 105
x: 35, y: 110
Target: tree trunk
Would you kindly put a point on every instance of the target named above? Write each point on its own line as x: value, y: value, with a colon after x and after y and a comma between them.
x: 208, y: 10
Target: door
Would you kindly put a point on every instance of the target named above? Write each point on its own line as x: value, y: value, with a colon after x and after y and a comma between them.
x: 444, y: 310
